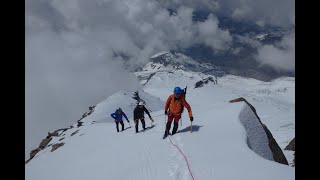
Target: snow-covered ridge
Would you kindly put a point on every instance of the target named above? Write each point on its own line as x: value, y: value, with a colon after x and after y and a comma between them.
x: 96, y: 147
x: 95, y: 150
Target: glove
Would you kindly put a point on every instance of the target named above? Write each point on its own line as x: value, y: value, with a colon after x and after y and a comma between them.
x: 165, y: 112
x: 128, y: 121
x: 191, y: 118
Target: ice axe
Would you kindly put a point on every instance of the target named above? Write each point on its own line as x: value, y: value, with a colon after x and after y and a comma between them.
x: 151, y: 119
x: 191, y: 127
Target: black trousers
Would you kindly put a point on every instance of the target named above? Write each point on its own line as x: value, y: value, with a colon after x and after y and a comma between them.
x: 117, y: 123
x: 143, y: 123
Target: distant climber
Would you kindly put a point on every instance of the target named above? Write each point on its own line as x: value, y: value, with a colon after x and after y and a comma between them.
x: 117, y: 116
x: 138, y: 114
x: 174, y: 107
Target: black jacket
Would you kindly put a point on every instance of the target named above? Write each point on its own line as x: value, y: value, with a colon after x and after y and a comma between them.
x: 138, y: 112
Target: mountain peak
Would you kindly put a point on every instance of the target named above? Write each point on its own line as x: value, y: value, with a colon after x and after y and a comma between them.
x: 166, y: 60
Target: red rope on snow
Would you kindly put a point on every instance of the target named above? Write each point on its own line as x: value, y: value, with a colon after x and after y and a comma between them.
x: 183, y: 156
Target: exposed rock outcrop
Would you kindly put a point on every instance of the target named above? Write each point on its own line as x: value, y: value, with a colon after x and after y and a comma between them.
x: 74, y: 132
x: 291, y: 146
x: 79, y: 123
x: 57, y: 133
x: 205, y: 81
x: 56, y: 146
x: 45, y: 142
x: 294, y: 160
x: 91, y: 110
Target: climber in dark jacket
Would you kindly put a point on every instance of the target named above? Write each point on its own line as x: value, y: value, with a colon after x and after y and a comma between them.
x: 117, y: 116
x: 138, y: 114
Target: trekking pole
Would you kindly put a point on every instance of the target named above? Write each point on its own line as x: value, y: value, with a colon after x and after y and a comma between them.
x: 165, y: 123
x: 191, y: 126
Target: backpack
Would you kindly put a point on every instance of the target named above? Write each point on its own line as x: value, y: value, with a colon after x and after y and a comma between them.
x: 184, y: 96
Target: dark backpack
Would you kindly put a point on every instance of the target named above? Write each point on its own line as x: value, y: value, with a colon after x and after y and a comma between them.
x: 184, y: 95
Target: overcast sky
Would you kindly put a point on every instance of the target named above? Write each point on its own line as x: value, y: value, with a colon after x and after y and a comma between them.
x: 74, y: 48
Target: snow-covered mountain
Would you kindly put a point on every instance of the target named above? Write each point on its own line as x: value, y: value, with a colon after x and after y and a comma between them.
x: 218, y: 148
x: 172, y: 61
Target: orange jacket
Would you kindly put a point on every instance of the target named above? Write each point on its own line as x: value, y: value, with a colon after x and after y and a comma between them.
x: 175, y: 106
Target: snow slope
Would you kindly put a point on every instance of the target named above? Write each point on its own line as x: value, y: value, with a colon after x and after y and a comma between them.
x: 217, y: 148
x: 126, y: 102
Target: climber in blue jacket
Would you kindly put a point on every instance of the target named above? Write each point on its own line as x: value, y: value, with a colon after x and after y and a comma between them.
x: 117, y: 116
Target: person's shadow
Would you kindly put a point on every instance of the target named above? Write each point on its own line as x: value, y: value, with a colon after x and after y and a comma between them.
x: 195, y: 128
x: 150, y: 127
x: 127, y: 128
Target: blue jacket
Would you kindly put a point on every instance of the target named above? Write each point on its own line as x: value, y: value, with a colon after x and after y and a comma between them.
x: 118, y: 117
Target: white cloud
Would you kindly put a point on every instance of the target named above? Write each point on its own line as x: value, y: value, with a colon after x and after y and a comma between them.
x: 247, y: 40
x: 240, y: 12
x: 280, y: 56
x: 74, y: 48
x: 274, y: 12
x: 136, y: 28
x: 65, y: 74
x: 212, y: 36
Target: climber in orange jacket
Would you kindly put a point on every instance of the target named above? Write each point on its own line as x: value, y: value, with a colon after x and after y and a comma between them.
x: 175, y: 103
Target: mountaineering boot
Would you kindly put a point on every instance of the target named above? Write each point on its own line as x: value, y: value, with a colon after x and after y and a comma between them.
x: 166, y: 133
